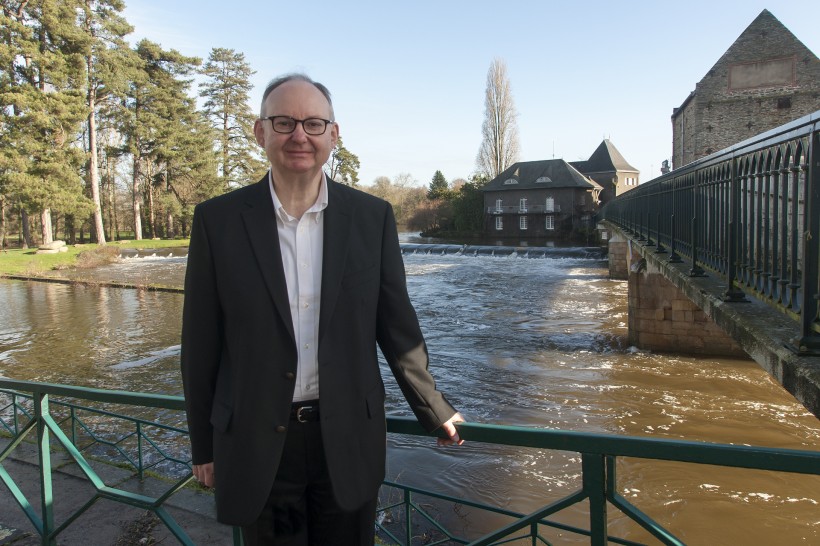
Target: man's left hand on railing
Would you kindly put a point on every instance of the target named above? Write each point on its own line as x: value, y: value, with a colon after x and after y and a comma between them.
x: 450, y: 428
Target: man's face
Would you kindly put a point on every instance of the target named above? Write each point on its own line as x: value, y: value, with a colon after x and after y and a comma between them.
x: 296, y: 153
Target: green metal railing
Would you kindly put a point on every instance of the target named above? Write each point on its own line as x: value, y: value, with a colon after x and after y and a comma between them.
x: 27, y: 408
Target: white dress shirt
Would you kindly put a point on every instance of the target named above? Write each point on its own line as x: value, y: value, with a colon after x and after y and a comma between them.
x: 301, y: 241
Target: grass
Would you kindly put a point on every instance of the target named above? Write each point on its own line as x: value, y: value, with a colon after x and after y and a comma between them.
x: 28, y: 262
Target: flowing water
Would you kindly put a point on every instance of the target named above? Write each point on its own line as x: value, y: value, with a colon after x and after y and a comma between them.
x: 516, y: 338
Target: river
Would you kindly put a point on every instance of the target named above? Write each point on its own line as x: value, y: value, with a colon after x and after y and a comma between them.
x: 514, y: 340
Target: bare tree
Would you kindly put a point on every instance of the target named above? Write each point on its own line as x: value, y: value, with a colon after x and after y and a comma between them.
x: 499, y: 132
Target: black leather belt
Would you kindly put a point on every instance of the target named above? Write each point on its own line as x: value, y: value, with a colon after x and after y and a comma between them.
x: 305, y: 412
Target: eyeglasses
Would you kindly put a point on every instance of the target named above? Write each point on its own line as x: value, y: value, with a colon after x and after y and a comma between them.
x: 287, y: 124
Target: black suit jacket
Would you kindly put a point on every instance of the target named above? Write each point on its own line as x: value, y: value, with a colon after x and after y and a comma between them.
x: 239, y: 355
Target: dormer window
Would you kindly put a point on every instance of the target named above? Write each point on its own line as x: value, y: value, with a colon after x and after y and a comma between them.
x: 543, y: 180
x: 510, y: 181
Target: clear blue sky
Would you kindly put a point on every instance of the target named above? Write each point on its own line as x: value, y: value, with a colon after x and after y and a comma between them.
x: 408, y: 78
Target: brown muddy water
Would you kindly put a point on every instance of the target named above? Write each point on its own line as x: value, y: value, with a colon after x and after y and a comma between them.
x: 537, y: 342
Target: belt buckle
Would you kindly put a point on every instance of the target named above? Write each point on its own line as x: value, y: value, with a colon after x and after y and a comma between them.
x: 299, y: 416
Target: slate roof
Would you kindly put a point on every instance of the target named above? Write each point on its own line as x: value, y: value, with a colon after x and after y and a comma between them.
x: 554, y: 173
x: 605, y: 158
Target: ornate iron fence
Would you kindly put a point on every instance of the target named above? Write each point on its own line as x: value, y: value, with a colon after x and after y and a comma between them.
x: 749, y: 213
x: 27, y: 408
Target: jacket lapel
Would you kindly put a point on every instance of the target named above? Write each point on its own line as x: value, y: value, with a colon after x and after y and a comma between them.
x: 338, y: 219
x: 260, y: 223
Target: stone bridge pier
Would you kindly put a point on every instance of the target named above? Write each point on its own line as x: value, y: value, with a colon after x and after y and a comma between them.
x: 673, y: 311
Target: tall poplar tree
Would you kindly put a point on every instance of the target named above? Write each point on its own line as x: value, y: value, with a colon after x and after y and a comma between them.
x: 226, y: 106
x: 499, y: 132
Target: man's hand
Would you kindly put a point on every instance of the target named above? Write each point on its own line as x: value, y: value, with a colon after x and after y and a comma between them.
x: 451, y: 431
x: 204, y: 473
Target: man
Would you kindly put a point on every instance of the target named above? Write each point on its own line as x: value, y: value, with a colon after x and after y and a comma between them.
x: 291, y: 284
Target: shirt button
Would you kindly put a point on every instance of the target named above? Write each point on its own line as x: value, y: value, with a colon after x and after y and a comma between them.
x: 307, y: 388
x: 307, y: 345
x: 290, y: 375
x: 281, y: 428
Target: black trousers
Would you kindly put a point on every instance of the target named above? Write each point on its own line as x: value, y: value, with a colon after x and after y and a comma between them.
x: 301, y: 509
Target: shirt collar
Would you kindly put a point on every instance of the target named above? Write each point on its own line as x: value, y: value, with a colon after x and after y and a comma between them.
x: 317, y: 207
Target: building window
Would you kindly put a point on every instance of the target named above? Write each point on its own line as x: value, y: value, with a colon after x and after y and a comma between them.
x: 550, y: 225
x: 543, y: 180
x: 522, y: 205
x: 522, y: 222
x: 499, y: 223
x: 498, y: 206
x: 510, y: 181
x: 550, y: 207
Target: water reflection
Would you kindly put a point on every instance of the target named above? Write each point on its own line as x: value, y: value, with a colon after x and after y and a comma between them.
x: 513, y: 340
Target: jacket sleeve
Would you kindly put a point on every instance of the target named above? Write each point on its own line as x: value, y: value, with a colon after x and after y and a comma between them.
x: 400, y: 338
x: 202, y: 339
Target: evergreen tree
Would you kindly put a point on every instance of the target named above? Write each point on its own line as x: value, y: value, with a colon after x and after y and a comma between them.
x: 439, y: 188
x: 109, y: 62
x: 343, y: 165
x: 161, y: 117
x: 42, y: 71
x: 226, y: 106
x: 468, y: 206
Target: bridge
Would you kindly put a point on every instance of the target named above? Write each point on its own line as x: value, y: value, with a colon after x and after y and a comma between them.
x: 738, y: 234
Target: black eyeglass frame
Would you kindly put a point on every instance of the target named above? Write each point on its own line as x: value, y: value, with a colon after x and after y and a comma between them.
x: 302, y: 121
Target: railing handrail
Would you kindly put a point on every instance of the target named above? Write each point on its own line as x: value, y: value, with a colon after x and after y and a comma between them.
x: 129, y: 398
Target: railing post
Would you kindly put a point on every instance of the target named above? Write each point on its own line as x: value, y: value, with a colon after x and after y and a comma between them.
x: 139, y: 451
x: 660, y: 249
x: 808, y: 341
x: 44, y: 453
x: 733, y: 294
x: 696, y: 270
x: 594, y: 480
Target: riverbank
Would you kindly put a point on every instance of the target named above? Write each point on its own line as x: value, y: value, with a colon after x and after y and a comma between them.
x: 28, y: 263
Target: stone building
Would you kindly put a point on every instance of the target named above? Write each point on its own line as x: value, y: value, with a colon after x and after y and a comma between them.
x: 543, y: 199
x: 608, y: 168
x: 765, y: 79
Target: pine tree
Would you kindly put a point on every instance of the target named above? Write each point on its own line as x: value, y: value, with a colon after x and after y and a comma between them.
x: 109, y: 62
x: 343, y: 165
x: 438, y: 189
x: 161, y: 117
x: 226, y: 106
x: 42, y: 110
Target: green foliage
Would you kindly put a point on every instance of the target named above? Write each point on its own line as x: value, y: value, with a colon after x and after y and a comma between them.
x: 226, y: 108
x: 438, y: 189
x: 343, y: 165
x: 43, y: 106
x: 468, y: 208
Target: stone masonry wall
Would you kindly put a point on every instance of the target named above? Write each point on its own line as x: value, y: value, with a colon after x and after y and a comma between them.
x: 663, y: 319
x: 618, y: 260
x: 722, y: 113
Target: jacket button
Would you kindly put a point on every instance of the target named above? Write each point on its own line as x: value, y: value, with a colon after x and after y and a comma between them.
x: 290, y: 375
x: 281, y: 428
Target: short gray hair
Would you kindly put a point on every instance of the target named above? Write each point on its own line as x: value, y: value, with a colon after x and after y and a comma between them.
x: 296, y: 76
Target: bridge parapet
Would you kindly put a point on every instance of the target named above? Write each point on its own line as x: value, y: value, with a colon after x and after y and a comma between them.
x: 760, y: 330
